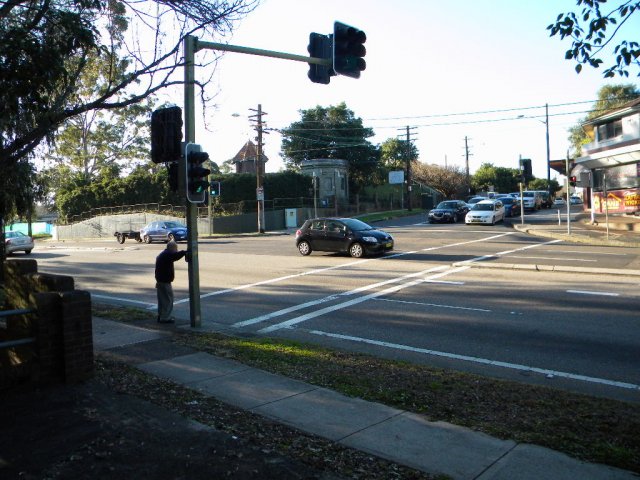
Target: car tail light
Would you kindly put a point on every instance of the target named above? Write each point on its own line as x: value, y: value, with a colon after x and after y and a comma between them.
x: 298, y: 233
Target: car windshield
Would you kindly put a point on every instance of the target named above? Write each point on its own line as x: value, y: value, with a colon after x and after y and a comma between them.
x: 528, y: 194
x: 485, y: 207
x: 476, y: 200
x: 507, y: 200
x: 12, y: 234
x: 356, y: 225
x: 174, y: 225
x: 447, y: 205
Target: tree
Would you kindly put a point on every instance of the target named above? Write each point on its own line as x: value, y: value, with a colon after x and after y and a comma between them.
x: 500, y: 179
x: 450, y: 181
x: 97, y: 138
x: 63, y: 34
x: 594, y: 31
x: 543, y: 185
x: 394, y: 154
x: 332, y: 132
x: 609, y: 97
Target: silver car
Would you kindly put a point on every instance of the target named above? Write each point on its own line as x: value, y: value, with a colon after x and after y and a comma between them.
x: 17, y: 242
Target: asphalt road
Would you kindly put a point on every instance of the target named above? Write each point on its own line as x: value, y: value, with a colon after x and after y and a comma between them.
x: 430, y: 301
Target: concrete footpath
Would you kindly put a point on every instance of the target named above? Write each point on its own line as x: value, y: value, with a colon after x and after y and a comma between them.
x: 396, y: 435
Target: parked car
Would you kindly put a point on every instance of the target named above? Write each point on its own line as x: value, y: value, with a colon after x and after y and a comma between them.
x: 163, y: 232
x: 575, y: 200
x: 515, y: 194
x: 474, y: 200
x: 511, y: 205
x: 342, y: 235
x: 486, y: 211
x: 448, y: 211
x: 531, y: 200
x: 559, y: 202
x: 545, y: 199
x: 17, y: 242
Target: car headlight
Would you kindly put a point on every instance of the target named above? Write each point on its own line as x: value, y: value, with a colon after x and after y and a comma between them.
x: 370, y: 239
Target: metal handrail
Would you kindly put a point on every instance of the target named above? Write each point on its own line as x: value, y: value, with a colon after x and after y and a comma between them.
x: 19, y: 341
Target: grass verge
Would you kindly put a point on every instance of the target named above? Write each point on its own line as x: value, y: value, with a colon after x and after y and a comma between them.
x: 589, y: 428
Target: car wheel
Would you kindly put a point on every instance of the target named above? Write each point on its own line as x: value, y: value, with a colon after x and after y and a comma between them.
x: 171, y: 237
x: 138, y: 239
x: 120, y: 238
x: 454, y: 219
x: 147, y: 239
x: 27, y: 251
x: 304, y: 248
x: 356, y: 250
x: 493, y: 220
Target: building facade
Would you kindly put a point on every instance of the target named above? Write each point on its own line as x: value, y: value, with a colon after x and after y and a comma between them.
x: 331, y: 179
x: 246, y: 160
x: 610, y: 166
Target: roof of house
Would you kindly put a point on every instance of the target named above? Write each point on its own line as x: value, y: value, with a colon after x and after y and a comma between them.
x: 614, y: 113
x: 248, y: 153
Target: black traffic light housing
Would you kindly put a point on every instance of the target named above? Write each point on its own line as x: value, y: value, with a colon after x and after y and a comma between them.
x: 525, y: 167
x: 320, y: 46
x: 348, y: 50
x: 573, y: 180
x: 215, y: 189
x: 166, y: 134
x: 172, y: 176
x: 197, y: 181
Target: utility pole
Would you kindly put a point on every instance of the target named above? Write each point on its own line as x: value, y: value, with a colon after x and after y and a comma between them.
x: 546, y: 122
x: 466, y: 162
x: 408, y: 163
x: 259, y: 166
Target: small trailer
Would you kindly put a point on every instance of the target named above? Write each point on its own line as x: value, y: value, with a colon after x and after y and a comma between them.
x: 130, y: 234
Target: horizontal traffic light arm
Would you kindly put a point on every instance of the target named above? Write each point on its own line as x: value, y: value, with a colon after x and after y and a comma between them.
x: 263, y: 53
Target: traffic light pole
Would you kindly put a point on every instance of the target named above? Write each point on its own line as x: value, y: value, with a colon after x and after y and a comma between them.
x: 191, y: 208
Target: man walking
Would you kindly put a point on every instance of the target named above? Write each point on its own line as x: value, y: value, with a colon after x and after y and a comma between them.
x: 165, y: 274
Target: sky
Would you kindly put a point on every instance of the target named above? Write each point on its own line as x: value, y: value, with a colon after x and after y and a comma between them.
x: 431, y: 64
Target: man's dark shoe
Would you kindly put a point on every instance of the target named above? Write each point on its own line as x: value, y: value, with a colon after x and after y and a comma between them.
x: 169, y: 320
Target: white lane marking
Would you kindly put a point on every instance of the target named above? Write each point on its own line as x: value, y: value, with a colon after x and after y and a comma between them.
x: 120, y: 299
x: 262, y: 318
x: 506, y: 252
x: 587, y: 292
x: 432, y: 305
x: 485, y: 361
x: 552, y: 258
x: 587, y: 253
x: 355, y: 301
x: 329, y: 298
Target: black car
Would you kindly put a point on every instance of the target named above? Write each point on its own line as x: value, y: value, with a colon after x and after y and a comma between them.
x: 449, y: 211
x: 342, y: 235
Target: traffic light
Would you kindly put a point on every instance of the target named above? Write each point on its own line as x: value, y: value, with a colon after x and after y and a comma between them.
x: 348, y: 50
x: 196, y: 176
x: 214, y: 189
x: 172, y: 176
x: 525, y: 166
x: 166, y: 134
x: 320, y: 47
x: 573, y: 180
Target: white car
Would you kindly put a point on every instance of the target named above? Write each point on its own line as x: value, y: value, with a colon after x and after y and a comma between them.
x: 485, y: 212
x: 559, y: 202
x: 575, y: 200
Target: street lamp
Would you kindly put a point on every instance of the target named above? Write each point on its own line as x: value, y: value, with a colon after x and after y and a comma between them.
x: 546, y: 123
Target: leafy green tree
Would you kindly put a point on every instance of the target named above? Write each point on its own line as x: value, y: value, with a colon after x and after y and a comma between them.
x: 394, y: 153
x: 501, y: 179
x: 331, y: 132
x: 543, y: 184
x: 63, y: 34
x: 594, y: 30
x: 450, y: 181
x: 609, y: 97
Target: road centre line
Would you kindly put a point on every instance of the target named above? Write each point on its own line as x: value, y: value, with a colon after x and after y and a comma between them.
x: 586, y: 292
x: 269, y: 316
x: 329, y: 298
x: 355, y: 301
x: 590, y: 253
x: 406, y: 302
x: 335, y: 267
x: 484, y: 361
